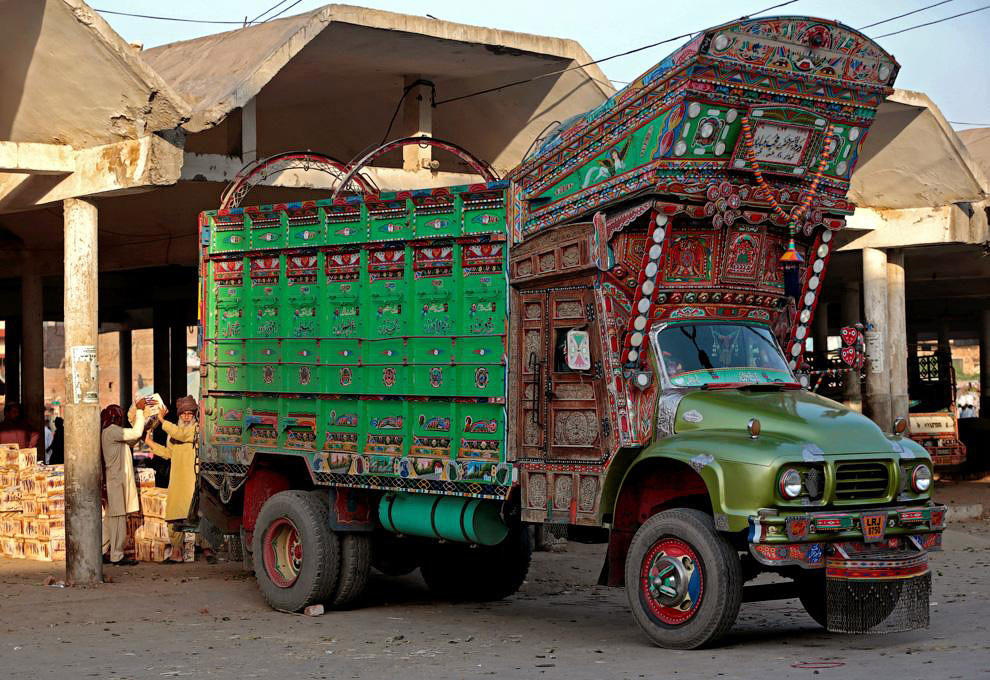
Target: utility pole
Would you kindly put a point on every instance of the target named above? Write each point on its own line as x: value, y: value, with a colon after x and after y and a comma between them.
x: 83, y: 526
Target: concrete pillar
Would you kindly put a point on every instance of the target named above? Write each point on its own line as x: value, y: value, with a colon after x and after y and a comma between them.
x: 32, y: 343
x: 852, y: 394
x: 876, y: 400
x: 12, y: 360
x: 896, y: 339
x: 160, y: 352
x: 125, y: 357
x: 177, y: 359
x: 249, y: 132
x: 416, y: 121
x: 985, y: 364
x: 943, y: 337
x: 83, y: 531
x: 819, y: 333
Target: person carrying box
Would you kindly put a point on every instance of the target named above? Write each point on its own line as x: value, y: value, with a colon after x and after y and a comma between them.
x: 118, y: 466
x: 180, y: 449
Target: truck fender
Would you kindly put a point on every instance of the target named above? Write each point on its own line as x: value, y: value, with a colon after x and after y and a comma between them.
x: 654, y: 481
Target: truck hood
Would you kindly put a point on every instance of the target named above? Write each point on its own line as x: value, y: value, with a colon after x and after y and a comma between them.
x: 800, y: 415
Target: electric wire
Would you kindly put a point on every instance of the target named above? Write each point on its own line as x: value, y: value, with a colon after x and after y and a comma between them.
x: 931, y: 23
x: 273, y: 7
x: 149, y: 16
x: 906, y: 14
x: 276, y: 16
x: 591, y: 63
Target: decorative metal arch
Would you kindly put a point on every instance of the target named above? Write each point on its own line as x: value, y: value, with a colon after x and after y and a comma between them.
x: 255, y: 173
x: 478, y: 165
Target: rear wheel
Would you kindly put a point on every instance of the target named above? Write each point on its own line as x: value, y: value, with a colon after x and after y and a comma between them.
x: 355, y: 558
x: 297, y: 556
x: 482, y: 573
x: 683, y: 580
x: 247, y: 556
x: 355, y: 566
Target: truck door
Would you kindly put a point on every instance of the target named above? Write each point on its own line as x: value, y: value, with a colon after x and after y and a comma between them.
x: 561, y: 403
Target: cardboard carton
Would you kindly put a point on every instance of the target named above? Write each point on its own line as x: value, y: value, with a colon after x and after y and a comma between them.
x: 153, y: 502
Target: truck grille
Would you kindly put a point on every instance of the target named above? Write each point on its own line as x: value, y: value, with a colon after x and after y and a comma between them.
x: 855, y: 481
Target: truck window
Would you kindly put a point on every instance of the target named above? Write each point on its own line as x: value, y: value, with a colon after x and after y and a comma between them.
x: 699, y: 353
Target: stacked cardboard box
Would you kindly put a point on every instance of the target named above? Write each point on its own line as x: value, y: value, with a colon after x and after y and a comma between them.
x: 32, y: 506
x: 150, y: 530
x: 32, y: 512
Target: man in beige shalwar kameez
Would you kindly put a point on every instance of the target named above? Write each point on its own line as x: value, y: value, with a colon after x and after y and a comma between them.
x: 118, y: 466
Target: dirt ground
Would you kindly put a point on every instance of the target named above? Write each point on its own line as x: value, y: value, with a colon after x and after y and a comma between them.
x: 204, y: 621
x: 964, y: 493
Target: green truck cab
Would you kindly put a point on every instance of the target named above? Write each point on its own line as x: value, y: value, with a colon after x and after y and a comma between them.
x: 609, y: 339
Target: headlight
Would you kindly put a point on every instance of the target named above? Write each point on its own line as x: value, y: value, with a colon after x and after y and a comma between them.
x: 921, y: 479
x: 790, y: 483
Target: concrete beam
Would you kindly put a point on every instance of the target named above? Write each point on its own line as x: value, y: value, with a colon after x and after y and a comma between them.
x: 218, y: 168
x: 112, y: 168
x: 37, y: 159
x: 908, y: 227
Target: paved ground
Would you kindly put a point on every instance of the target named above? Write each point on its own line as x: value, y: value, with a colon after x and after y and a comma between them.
x: 199, y: 621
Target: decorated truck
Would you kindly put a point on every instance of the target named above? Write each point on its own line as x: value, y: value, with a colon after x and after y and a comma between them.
x: 609, y: 339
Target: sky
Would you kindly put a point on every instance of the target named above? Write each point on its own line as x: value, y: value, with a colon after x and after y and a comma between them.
x: 948, y: 61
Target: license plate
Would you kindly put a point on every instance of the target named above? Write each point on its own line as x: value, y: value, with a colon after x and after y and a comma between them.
x: 873, y: 525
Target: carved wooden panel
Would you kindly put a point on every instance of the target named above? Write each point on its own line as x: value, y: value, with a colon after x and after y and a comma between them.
x: 563, y: 251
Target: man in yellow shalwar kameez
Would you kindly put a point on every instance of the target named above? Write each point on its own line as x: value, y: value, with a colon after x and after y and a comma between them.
x: 180, y: 449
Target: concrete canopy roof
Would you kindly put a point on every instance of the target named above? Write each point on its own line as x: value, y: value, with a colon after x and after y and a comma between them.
x: 977, y: 141
x: 912, y: 158
x: 69, y: 79
x: 343, y: 68
x: 230, y: 68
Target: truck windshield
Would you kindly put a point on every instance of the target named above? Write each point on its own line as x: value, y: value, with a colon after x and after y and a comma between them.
x: 696, y: 354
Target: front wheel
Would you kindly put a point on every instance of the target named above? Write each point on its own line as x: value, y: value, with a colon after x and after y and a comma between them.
x: 296, y: 556
x: 683, y: 580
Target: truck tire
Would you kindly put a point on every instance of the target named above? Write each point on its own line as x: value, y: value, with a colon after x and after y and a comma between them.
x: 482, y: 573
x: 355, y: 566
x: 297, y: 556
x: 355, y: 558
x: 683, y: 580
x: 247, y: 556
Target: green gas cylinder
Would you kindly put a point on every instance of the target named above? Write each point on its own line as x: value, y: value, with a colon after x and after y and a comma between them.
x: 468, y: 520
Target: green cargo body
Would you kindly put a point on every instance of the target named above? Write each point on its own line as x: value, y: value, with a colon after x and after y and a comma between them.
x: 367, y: 337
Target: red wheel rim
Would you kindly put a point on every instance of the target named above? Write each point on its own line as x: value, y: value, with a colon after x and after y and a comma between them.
x: 671, y: 581
x: 282, y: 552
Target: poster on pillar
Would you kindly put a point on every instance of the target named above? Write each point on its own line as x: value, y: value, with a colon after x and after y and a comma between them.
x: 874, y: 350
x: 85, y: 384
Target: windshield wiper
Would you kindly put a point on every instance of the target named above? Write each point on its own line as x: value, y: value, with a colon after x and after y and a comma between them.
x: 770, y: 387
x: 752, y: 387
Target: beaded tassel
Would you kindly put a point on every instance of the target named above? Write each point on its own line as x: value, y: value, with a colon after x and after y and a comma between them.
x: 791, y: 259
